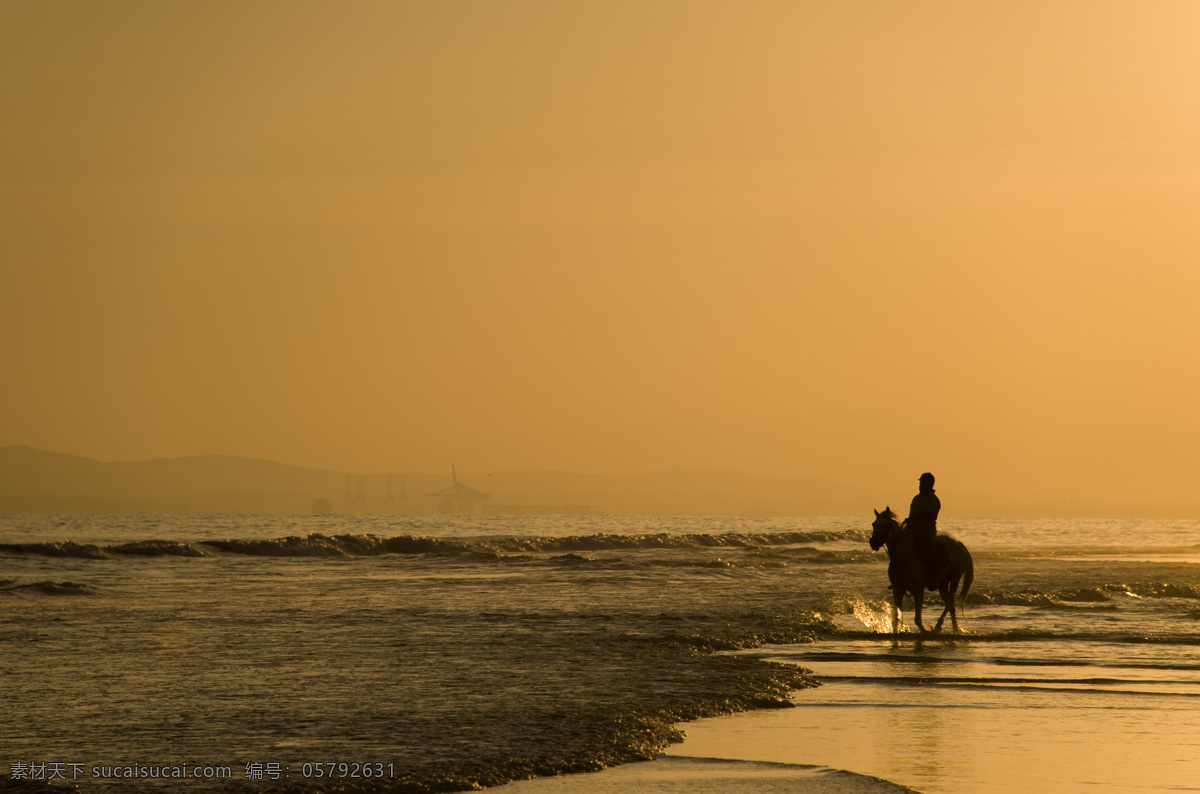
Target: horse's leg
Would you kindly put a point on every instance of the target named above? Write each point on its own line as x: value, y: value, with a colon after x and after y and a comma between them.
x: 918, y: 597
x: 948, y: 605
x: 897, y: 603
x: 952, y: 604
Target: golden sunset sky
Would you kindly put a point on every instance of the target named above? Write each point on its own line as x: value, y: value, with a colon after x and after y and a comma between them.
x: 853, y: 239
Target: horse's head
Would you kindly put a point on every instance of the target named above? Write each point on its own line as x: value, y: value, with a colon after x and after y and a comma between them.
x: 882, y: 527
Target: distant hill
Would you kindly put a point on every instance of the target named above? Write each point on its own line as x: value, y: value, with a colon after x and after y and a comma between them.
x: 35, y: 481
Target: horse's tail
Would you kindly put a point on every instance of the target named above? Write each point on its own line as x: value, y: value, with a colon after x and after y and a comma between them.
x: 968, y: 578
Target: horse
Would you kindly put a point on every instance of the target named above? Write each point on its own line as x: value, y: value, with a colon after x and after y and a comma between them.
x: 907, y: 572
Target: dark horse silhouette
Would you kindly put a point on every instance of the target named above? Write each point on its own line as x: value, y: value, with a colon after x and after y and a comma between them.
x: 907, y: 573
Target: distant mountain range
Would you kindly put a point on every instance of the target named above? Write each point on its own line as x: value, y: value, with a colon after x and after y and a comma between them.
x: 35, y: 481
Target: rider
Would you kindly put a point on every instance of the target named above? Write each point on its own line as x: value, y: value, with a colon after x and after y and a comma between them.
x: 922, y: 520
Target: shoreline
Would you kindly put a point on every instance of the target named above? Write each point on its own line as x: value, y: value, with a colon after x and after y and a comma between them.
x: 684, y: 773
x: 717, y: 755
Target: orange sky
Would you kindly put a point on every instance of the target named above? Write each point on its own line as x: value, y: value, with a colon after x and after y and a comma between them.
x: 860, y: 240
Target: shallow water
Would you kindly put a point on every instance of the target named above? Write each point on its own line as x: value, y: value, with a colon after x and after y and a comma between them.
x: 466, y: 651
x: 992, y: 716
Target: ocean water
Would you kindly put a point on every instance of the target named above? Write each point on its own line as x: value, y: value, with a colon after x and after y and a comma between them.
x: 371, y: 653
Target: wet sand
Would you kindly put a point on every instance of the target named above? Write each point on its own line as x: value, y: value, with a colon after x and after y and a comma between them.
x: 687, y: 774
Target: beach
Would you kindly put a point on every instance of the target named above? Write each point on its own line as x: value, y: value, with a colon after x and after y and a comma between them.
x: 683, y: 774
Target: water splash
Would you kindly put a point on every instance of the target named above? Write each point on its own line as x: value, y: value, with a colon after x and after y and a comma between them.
x: 876, y: 615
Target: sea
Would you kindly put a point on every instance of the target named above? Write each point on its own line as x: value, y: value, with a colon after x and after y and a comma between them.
x: 420, y: 653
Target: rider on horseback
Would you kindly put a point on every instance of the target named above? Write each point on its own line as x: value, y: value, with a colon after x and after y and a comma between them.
x: 922, y: 521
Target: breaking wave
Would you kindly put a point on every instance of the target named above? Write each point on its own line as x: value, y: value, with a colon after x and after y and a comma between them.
x: 8, y: 587
x: 64, y: 549
x: 1088, y: 597
x: 1160, y: 590
x: 90, y: 551
x: 155, y: 548
x: 320, y: 545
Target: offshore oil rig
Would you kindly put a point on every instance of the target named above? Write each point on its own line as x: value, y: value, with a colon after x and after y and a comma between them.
x: 355, y: 500
x: 396, y: 502
x: 459, y: 497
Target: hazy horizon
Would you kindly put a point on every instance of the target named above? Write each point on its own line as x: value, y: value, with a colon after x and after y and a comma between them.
x: 855, y: 241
